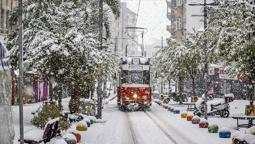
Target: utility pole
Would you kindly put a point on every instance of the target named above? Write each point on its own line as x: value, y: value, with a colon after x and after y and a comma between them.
x: 20, y: 25
x: 205, y: 4
x: 100, y: 79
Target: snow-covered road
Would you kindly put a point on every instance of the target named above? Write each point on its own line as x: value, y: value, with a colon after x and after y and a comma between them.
x: 155, y: 126
x: 146, y: 131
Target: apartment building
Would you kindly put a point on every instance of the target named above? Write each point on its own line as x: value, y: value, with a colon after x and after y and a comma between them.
x: 124, y: 45
x: 176, y: 13
x: 7, y: 7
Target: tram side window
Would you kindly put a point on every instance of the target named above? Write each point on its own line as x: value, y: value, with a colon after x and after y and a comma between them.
x: 146, y: 77
x: 124, y: 76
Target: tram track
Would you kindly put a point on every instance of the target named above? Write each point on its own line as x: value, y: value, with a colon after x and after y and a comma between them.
x: 131, y: 129
x: 161, y: 128
x: 133, y: 132
x: 170, y: 129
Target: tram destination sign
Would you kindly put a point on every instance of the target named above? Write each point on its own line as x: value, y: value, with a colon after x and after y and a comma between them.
x: 135, y: 67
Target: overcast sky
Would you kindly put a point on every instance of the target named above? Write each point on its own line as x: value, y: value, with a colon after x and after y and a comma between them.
x: 152, y: 15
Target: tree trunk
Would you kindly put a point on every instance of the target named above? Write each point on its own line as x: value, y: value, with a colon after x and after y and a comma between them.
x: 6, y: 127
x: 50, y: 91
x: 74, y: 101
x: 14, y: 87
x: 193, y: 86
x: 105, y: 89
x: 60, y: 93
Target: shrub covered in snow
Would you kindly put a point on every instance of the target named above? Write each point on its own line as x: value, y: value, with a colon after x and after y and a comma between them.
x: 48, y: 111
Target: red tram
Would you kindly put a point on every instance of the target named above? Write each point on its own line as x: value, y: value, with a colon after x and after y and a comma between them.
x: 134, y: 91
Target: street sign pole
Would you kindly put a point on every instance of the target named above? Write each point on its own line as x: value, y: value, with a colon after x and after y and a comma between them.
x: 100, y: 79
x: 205, y: 4
x: 20, y: 43
x: 206, y: 58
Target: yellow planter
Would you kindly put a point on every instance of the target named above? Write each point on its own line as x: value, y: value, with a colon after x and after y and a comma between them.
x: 81, y: 127
x: 184, y: 115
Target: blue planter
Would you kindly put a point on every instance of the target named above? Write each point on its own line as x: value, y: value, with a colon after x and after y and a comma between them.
x: 225, y: 134
x: 88, y: 124
x: 71, y: 141
x: 176, y: 111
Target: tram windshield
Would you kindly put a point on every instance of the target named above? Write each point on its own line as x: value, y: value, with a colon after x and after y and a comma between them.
x: 135, y: 77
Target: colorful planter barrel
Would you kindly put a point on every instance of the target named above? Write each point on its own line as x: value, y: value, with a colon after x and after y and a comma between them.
x: 224, y: 134
x: 203, y: 125
x: 195, y: 120
x: 184, y: 115
x: 176, y: 111
x: 213, y: 129
x: 70, y: 138
x: 238, y: 141
x: 68, y: 141
x: 77, y: 136
x: 189, y: 117
x: 81, y: 127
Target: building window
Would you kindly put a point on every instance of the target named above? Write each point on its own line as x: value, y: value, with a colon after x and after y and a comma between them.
x: 179, y: 2
x: 173, y: 3
x: 179, y: 23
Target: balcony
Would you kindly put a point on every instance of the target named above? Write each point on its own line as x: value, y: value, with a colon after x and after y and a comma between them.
x: 168, y: 28
x: 168, y: 2
x: 169, y: 15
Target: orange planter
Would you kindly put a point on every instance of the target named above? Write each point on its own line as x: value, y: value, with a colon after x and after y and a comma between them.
x: 189, y: 117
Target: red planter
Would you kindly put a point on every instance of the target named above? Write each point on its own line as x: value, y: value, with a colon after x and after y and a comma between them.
x: 203, y: 125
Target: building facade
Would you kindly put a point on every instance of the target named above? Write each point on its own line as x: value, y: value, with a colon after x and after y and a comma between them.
x: 176, y: 13
x: 184, y: 18
x: 7, y: 6
x: 124, y: 37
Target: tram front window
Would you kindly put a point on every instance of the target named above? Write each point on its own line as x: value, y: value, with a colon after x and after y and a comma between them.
x: 135, y: 77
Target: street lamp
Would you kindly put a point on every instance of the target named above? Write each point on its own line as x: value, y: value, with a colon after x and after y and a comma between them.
x: 20, y: 43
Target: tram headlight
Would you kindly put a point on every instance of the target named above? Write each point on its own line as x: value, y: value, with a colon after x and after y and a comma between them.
x: 135, y: 96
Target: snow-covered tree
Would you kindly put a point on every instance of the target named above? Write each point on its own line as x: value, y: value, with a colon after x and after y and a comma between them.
x: 60, y: 40
x: 182, y: 60
x: 233, y: 23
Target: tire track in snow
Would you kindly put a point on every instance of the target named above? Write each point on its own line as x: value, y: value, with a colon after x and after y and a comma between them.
x: 135, y: 132
x: 132, y: 132
x: 161, y: 128
x: 166, y: 127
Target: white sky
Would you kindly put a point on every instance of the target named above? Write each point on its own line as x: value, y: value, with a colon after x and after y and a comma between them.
x: 152, y: 15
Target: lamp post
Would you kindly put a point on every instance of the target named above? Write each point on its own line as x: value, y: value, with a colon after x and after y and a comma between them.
x: 20, y: 25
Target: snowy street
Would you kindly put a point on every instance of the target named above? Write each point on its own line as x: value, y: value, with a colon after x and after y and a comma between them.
x: 155, y: 126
